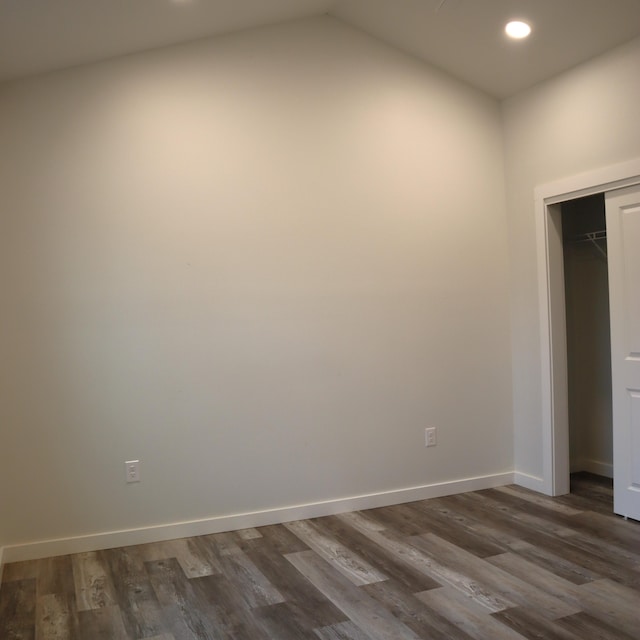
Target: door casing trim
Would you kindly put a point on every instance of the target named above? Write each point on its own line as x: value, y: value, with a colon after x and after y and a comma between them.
x: 551, y: 304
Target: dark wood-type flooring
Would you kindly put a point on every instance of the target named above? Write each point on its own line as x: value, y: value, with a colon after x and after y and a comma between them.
x: 497, y: 564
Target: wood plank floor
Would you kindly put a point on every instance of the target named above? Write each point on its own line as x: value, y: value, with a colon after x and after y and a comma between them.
x: 498, y: 564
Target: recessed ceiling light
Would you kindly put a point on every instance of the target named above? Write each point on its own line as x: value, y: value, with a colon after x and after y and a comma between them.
x: 517, y: 29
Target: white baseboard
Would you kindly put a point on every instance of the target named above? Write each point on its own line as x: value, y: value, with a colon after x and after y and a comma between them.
x: 111, y: 539
x: 529, y: 482
x: 593, y: 466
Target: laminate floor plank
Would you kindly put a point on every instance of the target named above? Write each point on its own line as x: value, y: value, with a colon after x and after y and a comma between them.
x: 249, y: 534
x: 395, y: 518
x: 467, y: 615
x: 613, y: 530
x: 55, y: 576
x: 493, y: 578
x: 189, y: 552
x: 256, y: 588
x: 56, y: 610
x: 538, y: 499
x: 497, y: 564
x: 25, y: 570
x: 513, y: 523
x: 467, y: 515
x: 236, y: 565
x: 350, y: 564
x: 18, y: 609
x: 537, y: 576
x: 592, y: 527
x: 278, y: 538
x: 494, y: 523
x: 139, y: 607
x: 103, y: 623
x: 535, y: 517
x: 405, y: 574
x: 584, y: 503
x: 596, y: 491
x: 431, y: 567
x: 558, y: 515
x: 578, y: 558
x: 52, y: 618
x: 222, y: 602
x: 533, y: 627
x: 584, y: 550
x: 183, y: 611
x: 557, y: 565
x: 593, y: 557
x: 457, y: 532
x: 94, y: 589
x: 359, y: 607
x: 342, y: 631
x: 605, y: 600
x: 425, y: 622
x: 305, y: 601
x: 584, y: 625
x: 612, y: 603
x: 283, y: 622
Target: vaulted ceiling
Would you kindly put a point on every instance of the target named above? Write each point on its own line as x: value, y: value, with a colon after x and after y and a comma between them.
x: 462, y: 37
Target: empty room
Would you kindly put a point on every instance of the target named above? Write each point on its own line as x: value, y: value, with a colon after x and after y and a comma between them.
x: 319, y: 319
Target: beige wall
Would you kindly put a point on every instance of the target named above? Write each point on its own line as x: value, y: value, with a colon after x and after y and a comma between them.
x: 262, y: 265
x: 581, y: 121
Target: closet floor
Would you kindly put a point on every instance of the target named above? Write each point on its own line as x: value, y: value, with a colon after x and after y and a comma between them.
x: 496, y: 564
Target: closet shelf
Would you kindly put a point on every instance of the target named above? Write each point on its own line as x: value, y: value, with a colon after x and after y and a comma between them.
x: 594, y: 237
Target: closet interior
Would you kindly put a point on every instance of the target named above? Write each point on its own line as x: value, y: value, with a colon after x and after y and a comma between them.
x: 588, y: 335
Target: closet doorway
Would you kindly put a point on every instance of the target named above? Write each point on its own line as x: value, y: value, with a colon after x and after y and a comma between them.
x: 586, y: 287
x: 620, y: 186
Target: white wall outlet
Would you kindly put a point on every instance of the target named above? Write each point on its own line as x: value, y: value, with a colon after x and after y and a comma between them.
x: 132, y: 470
x: 430, y: 437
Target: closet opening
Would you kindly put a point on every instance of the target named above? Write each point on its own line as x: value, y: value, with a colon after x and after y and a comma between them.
x: 620, y: 185
x: 588, y: 340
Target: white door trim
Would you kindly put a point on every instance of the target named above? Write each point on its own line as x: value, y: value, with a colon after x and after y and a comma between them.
x: 553, y: 350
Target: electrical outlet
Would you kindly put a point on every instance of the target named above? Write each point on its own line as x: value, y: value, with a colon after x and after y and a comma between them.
x: 132, y: 470
x: 430, y: 437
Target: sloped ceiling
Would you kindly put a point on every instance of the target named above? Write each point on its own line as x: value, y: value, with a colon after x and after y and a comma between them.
x: 466, y: 38
x: 462, y: 37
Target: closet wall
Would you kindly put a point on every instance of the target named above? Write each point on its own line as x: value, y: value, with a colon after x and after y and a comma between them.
x: 588, y: 336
